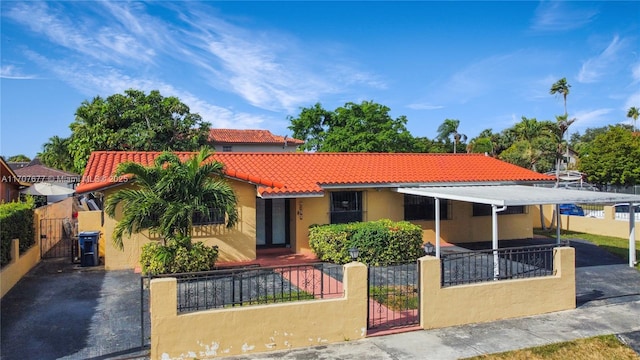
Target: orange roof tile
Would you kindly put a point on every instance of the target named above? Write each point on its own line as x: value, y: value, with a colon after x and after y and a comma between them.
x: 236, y: 136
x: 290, y: 174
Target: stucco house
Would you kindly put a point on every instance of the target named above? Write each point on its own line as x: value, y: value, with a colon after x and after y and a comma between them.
x: 236, y: 140
x: 281, y: 194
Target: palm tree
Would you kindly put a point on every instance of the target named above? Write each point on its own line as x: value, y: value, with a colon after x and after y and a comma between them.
x: 448, y: 128
x: 561, y: 87
x: 558, y: 130
x: 170, y: 194
x: 633, y: 113
x: 55, y: 153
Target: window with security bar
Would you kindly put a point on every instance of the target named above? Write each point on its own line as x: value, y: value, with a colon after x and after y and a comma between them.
x: 424, y: 208
x: 346, y: 207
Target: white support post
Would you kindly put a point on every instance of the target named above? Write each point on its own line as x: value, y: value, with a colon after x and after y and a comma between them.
x: 632, y: 235
x: 494, y: 239
x: 437, y: 204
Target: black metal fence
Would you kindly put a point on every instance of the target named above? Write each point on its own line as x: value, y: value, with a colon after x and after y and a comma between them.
x: 393, y: 296
x: 257, y: 285
x: 488, y: 265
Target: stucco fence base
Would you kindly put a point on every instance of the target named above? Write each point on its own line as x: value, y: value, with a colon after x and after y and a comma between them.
x: 19, y: 266
x: 496, y: 300
x: 607, y: 226
x: 253, y: 329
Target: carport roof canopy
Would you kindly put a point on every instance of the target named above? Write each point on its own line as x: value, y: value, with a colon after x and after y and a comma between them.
x: 514, y: 195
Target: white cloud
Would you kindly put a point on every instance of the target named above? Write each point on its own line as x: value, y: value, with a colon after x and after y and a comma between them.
x: 269, y: 69
x: 560, y: 16
x: 86, y: 38
x: 594, y: 68
x: 592, y: 118
x: 11, y: 72
x: 424, y: 106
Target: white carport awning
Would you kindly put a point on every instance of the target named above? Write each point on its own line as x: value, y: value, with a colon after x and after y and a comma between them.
x: 511, y: 195
x: 502, y: 196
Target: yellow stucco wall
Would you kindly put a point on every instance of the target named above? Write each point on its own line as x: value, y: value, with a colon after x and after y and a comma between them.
x: 490, y: 301
x: 260, y: 328
x: 19, y: 266
x: 92, y: 221
x: 236, y: 244
x: 608, y: 226
x: 463, y: 227
x: 388, y: 204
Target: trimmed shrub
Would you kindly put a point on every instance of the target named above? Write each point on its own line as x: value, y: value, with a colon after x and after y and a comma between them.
x: 16, y: 219
x: 380, y: 243
x: 178, y: 256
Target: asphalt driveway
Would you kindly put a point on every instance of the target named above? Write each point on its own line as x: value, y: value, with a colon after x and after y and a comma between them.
x: 62, y: 311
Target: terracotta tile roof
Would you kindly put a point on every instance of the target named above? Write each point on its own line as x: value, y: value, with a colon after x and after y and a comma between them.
x: 235, y: 136
x: 287, y: 174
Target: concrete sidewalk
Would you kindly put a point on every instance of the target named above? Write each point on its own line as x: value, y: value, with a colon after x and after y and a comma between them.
x: 607, y: 317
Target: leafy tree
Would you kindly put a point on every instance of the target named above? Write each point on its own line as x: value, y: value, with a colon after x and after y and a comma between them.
x: 364, y: 127
x: 633, y: 113
x: 450, y: 128
x: 169, y: 194
x: 612, y: 158
x: 426, y: 145
x: 19, y: 158
x: 130, y: 121
x: 532, y: 145
x: 480, y: 145
x: 55, y: 153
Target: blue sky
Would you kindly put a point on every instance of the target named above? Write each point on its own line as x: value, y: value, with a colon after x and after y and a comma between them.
x: 252, y: 64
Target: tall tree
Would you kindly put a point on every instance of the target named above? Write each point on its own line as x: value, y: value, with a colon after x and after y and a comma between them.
x: 612, y: 158
x: 55, y: 154
x: 133, y: 121
x: 364, y: 127
x: 449, y: 127
x: 561, y: 87
x: 531, y: 145
x: 558, y: 130
x: 633, y: 113
x: 169, y: 194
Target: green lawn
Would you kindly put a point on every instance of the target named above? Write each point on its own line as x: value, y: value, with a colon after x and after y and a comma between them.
x: 614, y: 245
x: 606, y: 347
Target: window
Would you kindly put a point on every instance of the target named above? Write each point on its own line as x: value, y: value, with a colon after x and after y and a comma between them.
x: 227, y: 148
x: 215, y: 217
x: 424, y: 208
x: 485, y: 210
x: 346, y: 207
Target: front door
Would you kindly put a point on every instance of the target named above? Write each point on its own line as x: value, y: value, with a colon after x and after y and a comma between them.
x: 272, y: 222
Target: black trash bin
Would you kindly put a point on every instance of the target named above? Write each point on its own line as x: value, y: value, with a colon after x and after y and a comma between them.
x: 88, y: 241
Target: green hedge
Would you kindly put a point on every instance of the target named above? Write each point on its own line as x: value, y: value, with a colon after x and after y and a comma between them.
x: 178, y: 256
x: 380, y: 243
x: 16, y: 222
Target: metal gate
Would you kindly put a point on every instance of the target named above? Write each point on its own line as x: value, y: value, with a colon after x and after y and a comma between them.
x: 394, y: 296
x: 57, y: 240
